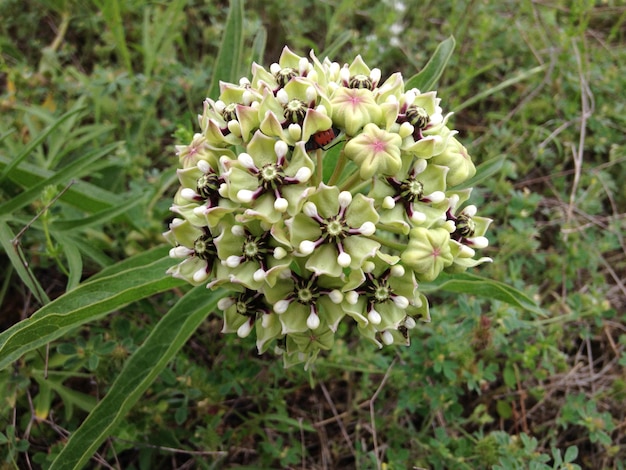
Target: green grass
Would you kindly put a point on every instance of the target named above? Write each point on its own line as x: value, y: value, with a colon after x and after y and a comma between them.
x: 93, y: 99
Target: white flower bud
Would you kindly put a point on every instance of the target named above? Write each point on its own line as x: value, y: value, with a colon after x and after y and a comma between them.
x: 406, y: 129
x: 281, y: 148
x: 279, y: 252
x: 387, y: 337
x: 479, y: 242
x: 375, y: 74
x: 389, y: 202
x: 368, y: 266
x: 311, y: 94
x: 245, y: 195
x: 294, y: 131
x: 232, y: 261
x: 265, y: 320
x: 246, y: 160
x: 345, y: 198
x: 303, y: 174
x: 466, y: 252
x: 200, y: 275
x: 420, y: 165
x: 306, y: 247
x: 259, y: 275
x: 180, y: 252
x: 219, y: 106
x: 282, y: 96
x: 470, y: 210
x: 313, y: 321
x: 400, y: 301
x: 281, y: 204
x: 344, y: 259
x: 374, y: 317
x: 310, y: 209
x: 188, y: 194
x: 352, y: 297
x: 245, y: 329
x: 303, y: 65
x: 203, y: 166
x: 335, y: 296
x: 418, y: 217
x: 223, y: 190
x: 238, y: 230
x: 367, y: 229
x: 397, y: 270
x: 436, y: 196
x: 281, y: 306
x: 275, y: 68
x: 449, y: 226
x: 225, y: 302
x: 200, y: 211
x: 234, y: 127
x: 410, y: 323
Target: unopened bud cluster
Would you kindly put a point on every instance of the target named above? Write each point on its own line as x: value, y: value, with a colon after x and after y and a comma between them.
x: 317, y: 193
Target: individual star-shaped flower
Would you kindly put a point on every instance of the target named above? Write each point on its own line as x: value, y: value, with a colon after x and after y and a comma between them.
x: 232, y: 119
x: 306, y: 302
x: 415, y: 196
x: 270, y: 178
x: 383, y: 294
x: 255, y: 254
x: 195, y: 247
x: 375, y: 151
x: 354, y: 108
x: 428, y: 252
x: 332, y: 230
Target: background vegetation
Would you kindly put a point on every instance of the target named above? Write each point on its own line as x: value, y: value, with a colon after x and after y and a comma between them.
x: 94, y: 94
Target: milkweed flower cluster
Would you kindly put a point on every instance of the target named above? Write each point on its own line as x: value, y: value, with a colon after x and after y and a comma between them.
x: 316, y: 194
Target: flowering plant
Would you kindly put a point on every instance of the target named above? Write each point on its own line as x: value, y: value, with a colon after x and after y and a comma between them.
x: 317, y: 193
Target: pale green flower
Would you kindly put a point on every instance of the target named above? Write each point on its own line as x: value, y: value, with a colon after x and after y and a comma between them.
x: 354, y: 108
x: 428, y: 252
x: 375, y: 151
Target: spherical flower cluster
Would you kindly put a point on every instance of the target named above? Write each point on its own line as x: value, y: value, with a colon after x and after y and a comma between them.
x: 317, y: 193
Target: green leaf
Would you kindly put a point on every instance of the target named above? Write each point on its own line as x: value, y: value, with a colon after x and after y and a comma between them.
x: 6, y: 240
x: 483, y: 171
x: 427, y: 78
x: 228, y: 63
x: 16, y: 160
x: 82, y: 195
x: 74, y: 260
x: 141, y: 369
x: 499, y: 87
x: 75, y: 168
x: 87, y: 302
x: 97, y: 218
x: 464, y: 283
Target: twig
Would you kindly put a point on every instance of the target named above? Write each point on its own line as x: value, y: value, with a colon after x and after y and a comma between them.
x: 372, y: 400
x: 344, y: 432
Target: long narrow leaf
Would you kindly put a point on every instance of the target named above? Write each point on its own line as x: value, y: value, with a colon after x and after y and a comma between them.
x: 143, y: 367
x: 471, y: 284
x: 97, y: 218
x: 228, y: 63
x: 83, y: 195
x: 72, y: 170
x: 15, y: 161
x: 6, y: 240
x: 427, y: 78
x: 500, y: 86
x: 88, y: 302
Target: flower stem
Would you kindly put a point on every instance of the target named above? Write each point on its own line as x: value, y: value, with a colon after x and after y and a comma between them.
x: 388, y: 243
x: 341, y: 164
